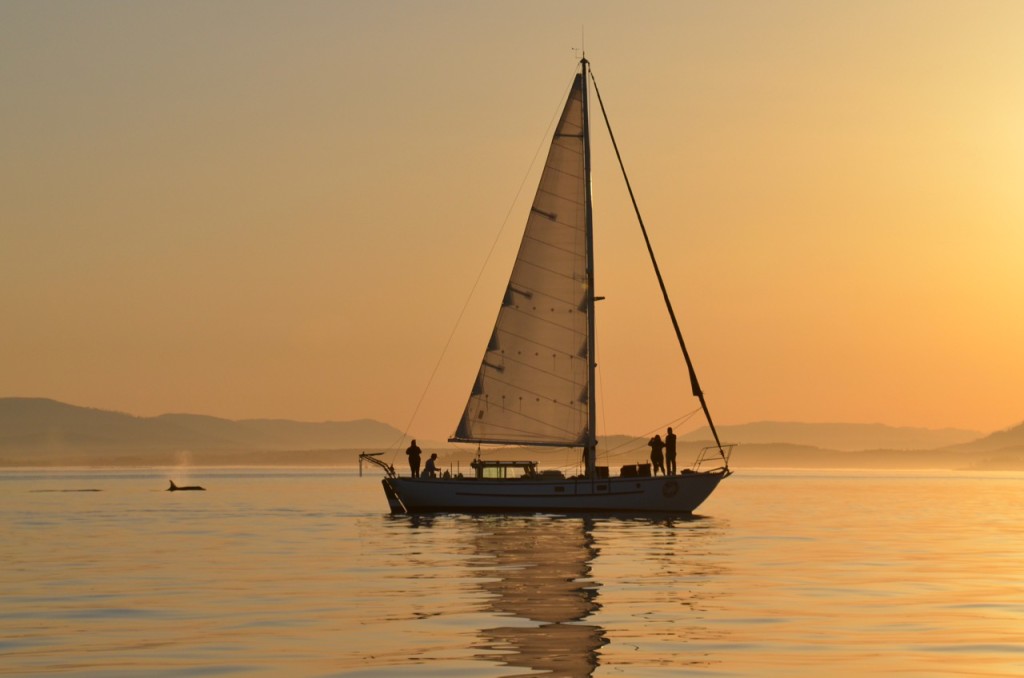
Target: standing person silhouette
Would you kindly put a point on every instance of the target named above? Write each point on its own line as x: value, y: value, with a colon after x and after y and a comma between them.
x: 414, y: 459
x: 657, y: 459
x: 670, y: 451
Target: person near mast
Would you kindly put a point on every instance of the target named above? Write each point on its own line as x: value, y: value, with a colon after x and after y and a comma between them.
x: 414, y: 453
x: 670, y: 452
x: 657, y: 458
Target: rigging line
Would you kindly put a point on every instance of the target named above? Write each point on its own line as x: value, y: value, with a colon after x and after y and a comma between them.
x: 694, y: 384
x: 633, y: 447
x: 675, y: 422
x: 508, y: 214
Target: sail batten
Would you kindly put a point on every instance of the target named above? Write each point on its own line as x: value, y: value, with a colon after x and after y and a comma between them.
x: 524, y: 393
x: 558, y: 350
x: 533, y: 399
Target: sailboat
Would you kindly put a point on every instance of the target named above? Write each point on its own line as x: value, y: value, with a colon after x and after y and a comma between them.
x: 536, y: 383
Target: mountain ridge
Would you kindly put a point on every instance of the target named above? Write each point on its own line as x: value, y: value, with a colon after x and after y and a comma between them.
x: 843, y: 437
x: 42, y: 431
x: 45, y: 426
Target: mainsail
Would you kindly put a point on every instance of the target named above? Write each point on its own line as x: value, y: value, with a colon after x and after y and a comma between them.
x: 533, y: 383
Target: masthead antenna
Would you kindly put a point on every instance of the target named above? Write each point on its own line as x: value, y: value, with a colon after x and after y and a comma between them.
x: 581, y: 51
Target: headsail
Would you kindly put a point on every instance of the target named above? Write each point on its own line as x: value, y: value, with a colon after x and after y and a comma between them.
x: 533, y: 383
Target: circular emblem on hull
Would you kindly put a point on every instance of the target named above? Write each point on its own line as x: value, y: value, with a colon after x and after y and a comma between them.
x: 670, y: 488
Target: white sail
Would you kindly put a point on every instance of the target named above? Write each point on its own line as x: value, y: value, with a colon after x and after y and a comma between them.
x: 533, y: 381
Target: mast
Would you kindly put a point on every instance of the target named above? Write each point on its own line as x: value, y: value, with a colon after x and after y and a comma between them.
x: 591, y: 449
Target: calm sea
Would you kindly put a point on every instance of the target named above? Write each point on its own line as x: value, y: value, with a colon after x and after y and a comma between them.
x: 303, y: 572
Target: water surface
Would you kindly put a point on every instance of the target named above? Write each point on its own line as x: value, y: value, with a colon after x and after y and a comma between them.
x: 303, y: 572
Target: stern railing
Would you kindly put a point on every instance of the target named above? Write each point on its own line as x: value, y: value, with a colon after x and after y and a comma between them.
x: 371, y: 457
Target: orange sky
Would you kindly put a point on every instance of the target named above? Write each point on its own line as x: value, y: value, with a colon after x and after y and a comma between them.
x: 251, y: 209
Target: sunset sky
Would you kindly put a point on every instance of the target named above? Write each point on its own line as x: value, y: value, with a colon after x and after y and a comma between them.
x: 276, y: 209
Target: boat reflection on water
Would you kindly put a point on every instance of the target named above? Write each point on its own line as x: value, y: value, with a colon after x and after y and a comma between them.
x: 536, y: 571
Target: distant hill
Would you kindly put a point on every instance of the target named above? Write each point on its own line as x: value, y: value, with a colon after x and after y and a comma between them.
x: 42, y: 432
x: 840, y: 437
x: 39, y: 430
x: 1011, y: 439
x: 1002, y: 450
x: 282, y: 434
x: 796, y: 445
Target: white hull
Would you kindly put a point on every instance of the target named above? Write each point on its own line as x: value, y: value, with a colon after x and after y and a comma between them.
x: 673, y: 494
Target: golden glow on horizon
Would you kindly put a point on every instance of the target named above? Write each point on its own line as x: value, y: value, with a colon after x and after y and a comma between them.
x: 277, y: 211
